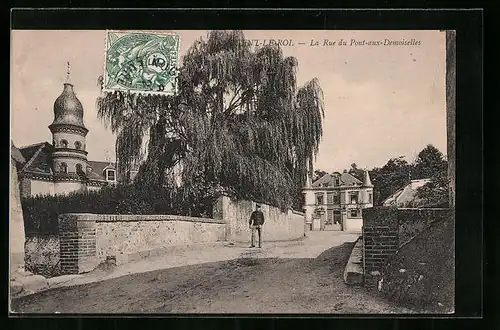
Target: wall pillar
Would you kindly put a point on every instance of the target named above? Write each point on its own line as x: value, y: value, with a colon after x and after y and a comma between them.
x: 380, y: 241
x: 77, y: 243
x: 16, y: 224
x: 221, y: 212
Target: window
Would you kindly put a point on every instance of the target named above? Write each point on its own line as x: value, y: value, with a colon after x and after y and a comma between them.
x: 319, y: 199
x: 370, y: 198
x: 79, y: 168
x: 63, y: 168
x: 110, y: 175
x: 336, y: 181
x: 336, y: 198
x: 78, y: 145
x: 353, y: 213
x: 64, y: 144
x: 329, y: 198
x: 353, y: 197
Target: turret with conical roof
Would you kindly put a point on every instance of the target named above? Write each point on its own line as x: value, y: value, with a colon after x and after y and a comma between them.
x: 68, y: 109
x: 366, y: 181
x: 68, y: 137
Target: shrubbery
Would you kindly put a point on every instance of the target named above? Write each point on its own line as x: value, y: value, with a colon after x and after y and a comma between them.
x: 41, y: 213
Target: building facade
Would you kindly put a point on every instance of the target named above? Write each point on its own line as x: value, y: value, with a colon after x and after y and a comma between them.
x: 62, y: 167
x: 335, y: 202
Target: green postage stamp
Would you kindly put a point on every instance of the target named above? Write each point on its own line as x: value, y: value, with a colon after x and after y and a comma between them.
x: 141, y: 62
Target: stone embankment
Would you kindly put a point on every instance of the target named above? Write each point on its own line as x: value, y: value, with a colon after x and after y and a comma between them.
x: 353, y: 273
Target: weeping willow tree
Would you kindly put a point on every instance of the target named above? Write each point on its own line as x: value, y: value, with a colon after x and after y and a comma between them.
x: 239, y: 124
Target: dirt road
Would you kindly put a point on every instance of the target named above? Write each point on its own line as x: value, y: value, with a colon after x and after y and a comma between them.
x: 243, y: 285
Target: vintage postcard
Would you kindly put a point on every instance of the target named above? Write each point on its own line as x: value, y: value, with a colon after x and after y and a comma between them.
x: 235, y: 171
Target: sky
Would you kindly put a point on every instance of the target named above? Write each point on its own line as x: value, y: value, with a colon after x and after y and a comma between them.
x: 381, y: 101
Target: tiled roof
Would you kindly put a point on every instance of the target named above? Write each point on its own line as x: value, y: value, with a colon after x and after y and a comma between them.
x: 406, y: 196
x: 346, y: 179
x: 38, y: 161
x: 98, y: 168
x: 38, y: 158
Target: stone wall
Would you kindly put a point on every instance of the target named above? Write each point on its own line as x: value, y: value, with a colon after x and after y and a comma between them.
x: 42, y: 255
x: 278, y: 226
x: 127, y: 237
x: 86, y: 240
x: 386, y: 229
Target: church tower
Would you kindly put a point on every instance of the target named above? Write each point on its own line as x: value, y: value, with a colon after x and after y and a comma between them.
x: 69, y: 158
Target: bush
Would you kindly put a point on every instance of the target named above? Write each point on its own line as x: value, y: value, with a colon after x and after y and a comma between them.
x: 41, y: 213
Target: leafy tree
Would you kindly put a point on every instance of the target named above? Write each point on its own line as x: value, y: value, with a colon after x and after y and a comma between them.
x: 238, y: 125
x: 318, y: 174
x: 431, y: 163
x: 356, y: 172
x: 389, y: 178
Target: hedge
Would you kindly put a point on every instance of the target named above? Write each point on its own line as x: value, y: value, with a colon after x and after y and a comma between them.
x: 41, y: 212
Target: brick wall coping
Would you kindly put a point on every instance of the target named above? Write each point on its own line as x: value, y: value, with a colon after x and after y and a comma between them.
x: 136, y: 217
x: 423, y: 208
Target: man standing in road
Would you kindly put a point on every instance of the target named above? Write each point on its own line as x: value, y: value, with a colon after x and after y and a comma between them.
x: 256, y: 222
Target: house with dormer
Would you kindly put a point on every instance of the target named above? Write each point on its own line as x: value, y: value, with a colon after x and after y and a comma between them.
x: 336, y: 201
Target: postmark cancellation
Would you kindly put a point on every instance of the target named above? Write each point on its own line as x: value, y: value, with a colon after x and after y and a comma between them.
x: 141, y: 62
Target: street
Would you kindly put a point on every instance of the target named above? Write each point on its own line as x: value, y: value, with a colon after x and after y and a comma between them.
x: 303, y: 276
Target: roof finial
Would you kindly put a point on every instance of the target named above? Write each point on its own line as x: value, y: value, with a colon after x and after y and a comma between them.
x: 68, y: 67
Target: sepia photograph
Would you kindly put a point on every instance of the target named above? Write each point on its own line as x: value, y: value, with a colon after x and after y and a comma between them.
x: 232, y: 171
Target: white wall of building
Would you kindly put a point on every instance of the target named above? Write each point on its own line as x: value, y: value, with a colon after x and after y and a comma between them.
x: 41, y: 188
x: 64, y: 188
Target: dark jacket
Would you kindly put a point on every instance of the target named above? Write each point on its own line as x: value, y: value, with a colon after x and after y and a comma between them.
x: 257, y: 218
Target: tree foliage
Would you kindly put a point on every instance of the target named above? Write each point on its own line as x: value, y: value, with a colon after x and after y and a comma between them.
x: 41, y: 212
x: 397, y: 172
x: 389, y: 178
x: 318, y: 174
x: 431, y: 163
x: 358, y: 173
x: 238, y: 125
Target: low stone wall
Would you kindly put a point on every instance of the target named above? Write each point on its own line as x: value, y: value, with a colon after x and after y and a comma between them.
x: 42, y: 255
x: 386, y: 229
x: 278, y: 226
x: 86, y: 240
